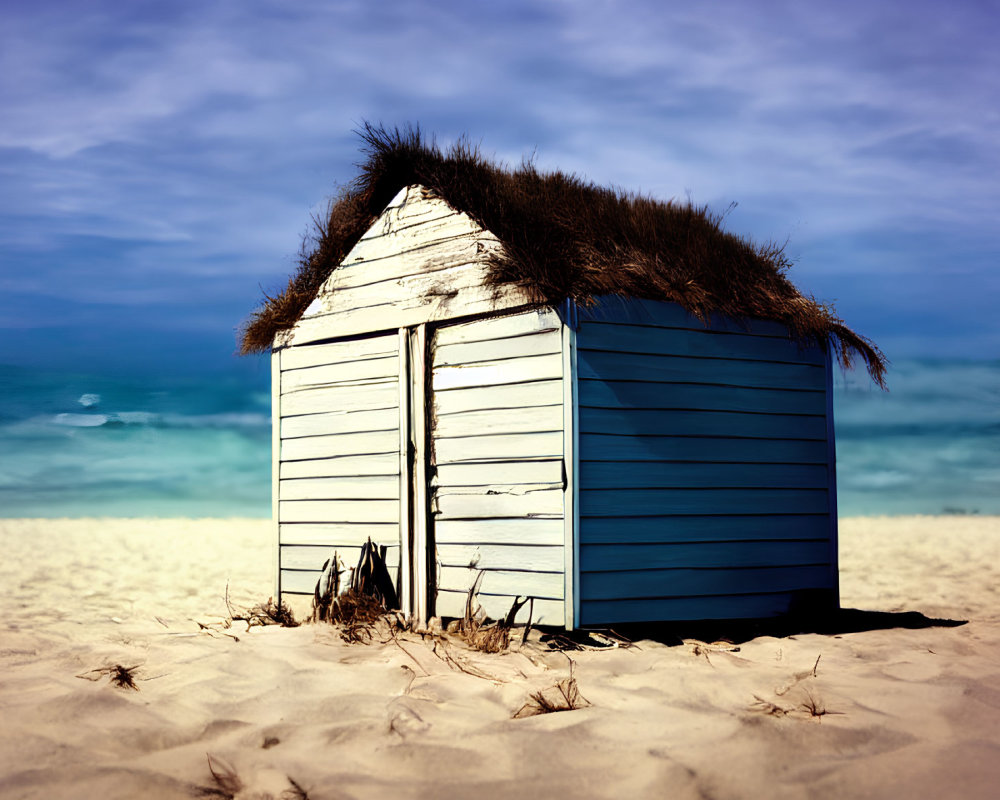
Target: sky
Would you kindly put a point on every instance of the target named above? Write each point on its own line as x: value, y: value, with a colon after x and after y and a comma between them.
x: 160, y: 160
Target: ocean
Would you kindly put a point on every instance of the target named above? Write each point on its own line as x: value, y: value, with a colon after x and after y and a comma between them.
x: 86, y: 445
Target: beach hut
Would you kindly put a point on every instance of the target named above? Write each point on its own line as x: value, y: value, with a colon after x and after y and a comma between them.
x: 593, y: 398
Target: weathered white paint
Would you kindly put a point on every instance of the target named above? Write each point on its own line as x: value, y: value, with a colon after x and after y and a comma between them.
x: 544, y: 612
x: 534, y: 531
x: 421, y: 261
x: 509, y: 474
x: 571, y: 462
x: 494, y: 349
x: 345, y: 510
x: 346, y: 466
x: 468, y: 503
x: 494, y: 373
x: 498, y: 491
x: 336, y: 534
x: 419, y: 493
x: 548, y: 585
x: 328, y: 374
x: 374, y: 487
x: 526, y: 323
x: 344, y: 397
x: 276, y: 466
x: 333, y: 422
x: 405, y: 478
x: 337, y: 441
x: 543, y: 393
x: 315, y: 355
x: 501, y: 447
x: 482, y: 423
x: 536, y: 558
x: 310, y: 447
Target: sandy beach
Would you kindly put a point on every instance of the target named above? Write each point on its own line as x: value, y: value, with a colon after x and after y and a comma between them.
x: 297, y: 712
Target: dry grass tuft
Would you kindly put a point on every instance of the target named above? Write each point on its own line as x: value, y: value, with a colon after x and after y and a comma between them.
x: 118, y: 675
x: 226, y: 782
x: 564, y: 696
x: 366, y: 601
x: 490, y: 637
x: 564, y: 238
x: 269, y: 613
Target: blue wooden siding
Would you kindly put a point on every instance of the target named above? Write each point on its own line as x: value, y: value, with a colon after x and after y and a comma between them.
x: 705, y: 475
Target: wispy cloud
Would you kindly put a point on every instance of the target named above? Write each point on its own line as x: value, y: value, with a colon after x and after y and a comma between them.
x: 147, y: 146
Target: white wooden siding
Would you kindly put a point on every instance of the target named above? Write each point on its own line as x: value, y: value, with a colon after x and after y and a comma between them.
x: 421, y: 261
x: 338, y: 476
x: 498, y: 488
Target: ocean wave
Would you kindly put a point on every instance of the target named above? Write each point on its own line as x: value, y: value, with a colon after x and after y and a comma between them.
x: 148, y: 419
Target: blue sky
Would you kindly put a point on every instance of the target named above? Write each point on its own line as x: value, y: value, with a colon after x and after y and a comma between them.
x: 160, y: 160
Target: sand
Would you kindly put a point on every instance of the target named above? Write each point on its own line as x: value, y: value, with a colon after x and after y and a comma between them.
x: 886, y: 712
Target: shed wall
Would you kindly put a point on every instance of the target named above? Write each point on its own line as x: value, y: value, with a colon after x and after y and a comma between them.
x: 704, y: 474
x: 421, y: 261
x: 497, y: 449
x: 339, y: 478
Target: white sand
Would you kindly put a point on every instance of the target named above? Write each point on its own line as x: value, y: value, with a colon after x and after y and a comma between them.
x: 911, y: 713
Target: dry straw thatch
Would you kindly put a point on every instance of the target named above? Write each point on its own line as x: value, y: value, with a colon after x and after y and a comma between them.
x: 564, y: 238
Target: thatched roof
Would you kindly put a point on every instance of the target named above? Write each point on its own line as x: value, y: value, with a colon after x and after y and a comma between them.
x: 564, y: 238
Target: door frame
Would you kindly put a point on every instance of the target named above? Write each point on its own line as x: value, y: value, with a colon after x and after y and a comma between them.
x: 415, y: 596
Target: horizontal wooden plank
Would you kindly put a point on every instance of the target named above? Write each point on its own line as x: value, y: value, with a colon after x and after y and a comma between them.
x: 339, y: 534
x: 508, y: 582
x: 502, y: 556
x: 637, y: 311
x: 625, y: 557
x: 532, y: 419
x: 344, y: 444
x: 765, y: 374
x: 530, y: 474
x: 701, y: 423
x: 496, y: 373
x: 527, y: 323
x: 545, y: 612
x: 517, y: 503
x: 700, y: 343
x: 397, y: 311
x: 501, y: 447
x: 314, y: 355
x: 311, y: 557
x: 338, y: 511
x: 410, y: 215
x: 335, y: 422
x: 538, y: 344
x: 331, y: 374
x: 446, y: 266
x: 534, y: 531
x: 686, y: 475
x: 675, y: 609
x: 606, y: 447
x: 533, y: 474
x: 361, y: 397
x: 345, y: 466
x: 646, y: 502
x: 371, y: 488
x: 698, y: 582
x: 717, y: 528
x: 395, y: 247
x: 304, y: 581
x: 643, y: 394
x: 518, y: 395
x: 398, y: 253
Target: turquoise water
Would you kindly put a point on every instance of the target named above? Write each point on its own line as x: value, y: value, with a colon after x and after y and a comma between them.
x: 78, y: 445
